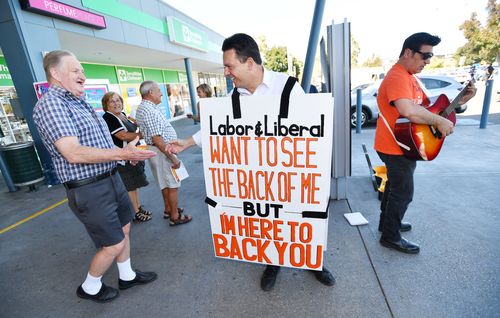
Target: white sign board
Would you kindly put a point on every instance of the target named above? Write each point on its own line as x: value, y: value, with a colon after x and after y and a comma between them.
x: 268, y: 178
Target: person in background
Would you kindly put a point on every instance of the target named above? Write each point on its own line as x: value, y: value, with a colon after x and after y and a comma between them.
x: 490, y: 70
x: 157, y: 132
x: 123, y: 131
x: 84, y: 158
x: 401, y: 95
x: 243, y: 64
x: 203, y: 91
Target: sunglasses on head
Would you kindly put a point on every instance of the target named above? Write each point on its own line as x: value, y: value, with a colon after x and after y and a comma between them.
x: 425, y: 55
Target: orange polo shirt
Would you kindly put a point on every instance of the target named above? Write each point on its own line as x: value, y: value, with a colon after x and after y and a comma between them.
x: 397, y: 84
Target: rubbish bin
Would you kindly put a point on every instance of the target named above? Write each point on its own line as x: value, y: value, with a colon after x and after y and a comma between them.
x: 22, y: 162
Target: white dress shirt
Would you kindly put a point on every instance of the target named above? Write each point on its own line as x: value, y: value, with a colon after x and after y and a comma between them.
x: 272, y: 84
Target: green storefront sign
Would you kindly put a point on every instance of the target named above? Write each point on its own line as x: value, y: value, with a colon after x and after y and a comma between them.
x: 129, y: 75
x: 5, y: 78
x: 183, y: 34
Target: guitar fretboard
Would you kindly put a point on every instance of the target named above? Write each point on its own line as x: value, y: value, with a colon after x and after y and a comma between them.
x: 455, y: 101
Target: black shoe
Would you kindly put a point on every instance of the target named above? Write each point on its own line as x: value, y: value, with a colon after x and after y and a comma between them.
x: 269, y: 277
x: 141, y: 278
x: 402, y: 245
x: 405, y: 227
x: 105, y: 294
x: 325, y: 277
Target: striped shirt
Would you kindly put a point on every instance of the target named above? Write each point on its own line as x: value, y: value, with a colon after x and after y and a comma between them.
x: 152, y: 122
x: 60, y: 114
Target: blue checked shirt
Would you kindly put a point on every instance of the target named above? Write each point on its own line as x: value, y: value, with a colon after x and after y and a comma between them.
x: 60, y: 114
x: 152, y: 122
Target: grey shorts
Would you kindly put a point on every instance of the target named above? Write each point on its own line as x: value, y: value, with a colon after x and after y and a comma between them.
x: 104, y: 207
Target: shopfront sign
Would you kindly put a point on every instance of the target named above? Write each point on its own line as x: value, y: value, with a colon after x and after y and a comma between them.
x: 127, y: 75
x: 63, y: 11
x: 5, y: 78
x: 183, y: 34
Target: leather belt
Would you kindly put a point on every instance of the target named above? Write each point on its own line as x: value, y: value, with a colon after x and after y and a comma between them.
x: 78, y: 183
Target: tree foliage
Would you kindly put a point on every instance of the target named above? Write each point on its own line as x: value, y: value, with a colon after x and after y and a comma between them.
x: 354, y: 51
x: 276, y: 59
x: 483, y: 42
x: 437, y: 62
x: 373, y: 61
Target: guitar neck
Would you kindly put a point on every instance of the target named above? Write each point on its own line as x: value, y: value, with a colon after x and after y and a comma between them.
x: 454, y: 103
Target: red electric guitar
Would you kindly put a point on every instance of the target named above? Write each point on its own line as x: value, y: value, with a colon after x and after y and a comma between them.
x: 423, y: 142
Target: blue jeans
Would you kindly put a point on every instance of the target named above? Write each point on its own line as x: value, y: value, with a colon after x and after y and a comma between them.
x: 398, y: 194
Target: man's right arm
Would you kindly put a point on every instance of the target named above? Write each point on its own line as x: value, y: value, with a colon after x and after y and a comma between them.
x: 419, y: 115
x: 74, y: 152
x: 160, y: 144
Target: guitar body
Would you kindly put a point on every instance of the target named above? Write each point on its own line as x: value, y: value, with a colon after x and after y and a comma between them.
x: 424, y: 141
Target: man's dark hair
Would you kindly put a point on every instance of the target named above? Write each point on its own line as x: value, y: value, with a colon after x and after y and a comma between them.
x: 244, y: 46
x: 415, y: 41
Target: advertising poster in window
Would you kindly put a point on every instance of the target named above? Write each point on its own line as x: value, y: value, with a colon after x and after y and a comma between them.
x: 94, y: 95
x: 41, y: 88
x: 131, y: 98
x: 268, y: 178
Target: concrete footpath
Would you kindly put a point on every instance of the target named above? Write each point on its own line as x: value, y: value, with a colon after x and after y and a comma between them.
x: 455, y: 217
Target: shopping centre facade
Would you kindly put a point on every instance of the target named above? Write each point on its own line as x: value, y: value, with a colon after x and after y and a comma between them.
x: 120, y: 44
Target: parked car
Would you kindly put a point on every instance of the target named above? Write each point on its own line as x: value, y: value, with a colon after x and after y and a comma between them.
x: 369, y: 107
x: 435, y: 85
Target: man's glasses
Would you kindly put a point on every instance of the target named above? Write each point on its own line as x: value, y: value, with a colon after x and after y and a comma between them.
x: 425, y: 55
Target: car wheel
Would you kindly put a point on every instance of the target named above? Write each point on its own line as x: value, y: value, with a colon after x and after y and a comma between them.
x: 364, y: 117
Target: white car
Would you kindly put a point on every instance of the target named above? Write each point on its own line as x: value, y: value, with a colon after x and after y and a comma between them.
x: 435, y: 85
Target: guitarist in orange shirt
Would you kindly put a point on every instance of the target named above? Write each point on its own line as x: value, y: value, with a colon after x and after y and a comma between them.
x: 401, y: 95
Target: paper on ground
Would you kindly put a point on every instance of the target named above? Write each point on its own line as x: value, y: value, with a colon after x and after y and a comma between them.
x: 355, y: 218
x: 181, y: 173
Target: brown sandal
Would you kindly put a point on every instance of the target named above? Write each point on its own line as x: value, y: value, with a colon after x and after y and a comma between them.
x: 182, y: 219
x: 166, y: 215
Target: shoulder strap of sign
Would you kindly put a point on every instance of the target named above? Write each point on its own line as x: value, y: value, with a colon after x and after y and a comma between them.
x: 285, y: 96
x: 284, y: 103
x: 235, y: 98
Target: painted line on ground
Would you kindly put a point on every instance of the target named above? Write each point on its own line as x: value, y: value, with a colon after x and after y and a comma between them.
x: 34, y: 215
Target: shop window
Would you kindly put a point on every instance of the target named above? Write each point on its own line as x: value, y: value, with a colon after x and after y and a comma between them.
x: 12, y: 124
x: 178, y: 99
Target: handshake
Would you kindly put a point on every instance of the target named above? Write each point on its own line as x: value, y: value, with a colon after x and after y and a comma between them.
x: 179, y: 145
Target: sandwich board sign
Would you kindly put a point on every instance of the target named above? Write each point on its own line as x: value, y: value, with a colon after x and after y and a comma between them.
x: 267, y: 173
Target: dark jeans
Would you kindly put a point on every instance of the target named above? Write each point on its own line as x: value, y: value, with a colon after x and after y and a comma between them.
x: 398, y: 194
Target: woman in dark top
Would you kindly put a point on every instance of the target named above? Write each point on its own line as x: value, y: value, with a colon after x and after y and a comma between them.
x: 122, y: 131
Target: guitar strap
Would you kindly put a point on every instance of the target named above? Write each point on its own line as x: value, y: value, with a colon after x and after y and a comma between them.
x: 284, y: 101
x: 400, y: 144
x: 425, y: 100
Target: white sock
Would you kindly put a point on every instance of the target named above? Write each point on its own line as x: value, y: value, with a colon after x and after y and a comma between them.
x: 125, y: 270
x: 92, y: 284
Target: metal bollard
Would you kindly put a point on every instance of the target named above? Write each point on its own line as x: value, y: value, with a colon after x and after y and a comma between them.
x: 486, y: 104
x: 358, y: 111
